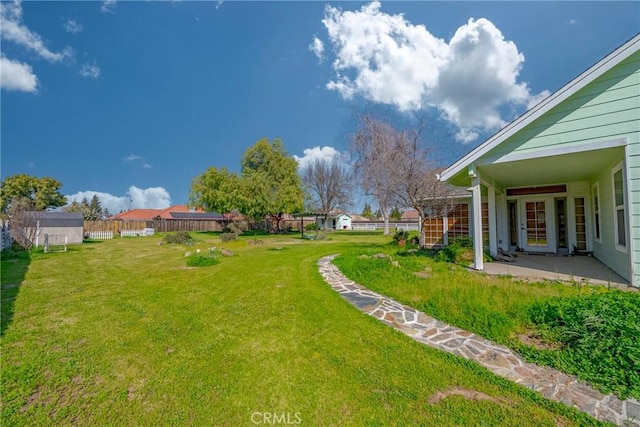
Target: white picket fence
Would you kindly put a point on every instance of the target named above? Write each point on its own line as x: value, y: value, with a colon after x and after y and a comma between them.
x: 132, y: 233
x: 100, y: 235
x: 371, y: 226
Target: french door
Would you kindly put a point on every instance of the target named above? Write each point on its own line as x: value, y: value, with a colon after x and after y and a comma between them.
x: 537, y: 225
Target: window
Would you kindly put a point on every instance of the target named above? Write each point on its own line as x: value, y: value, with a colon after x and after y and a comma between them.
x: 595, y: 192
x: 618, y: 206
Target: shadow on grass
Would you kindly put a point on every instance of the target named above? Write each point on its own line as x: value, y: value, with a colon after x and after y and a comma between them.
x: 14, y: 267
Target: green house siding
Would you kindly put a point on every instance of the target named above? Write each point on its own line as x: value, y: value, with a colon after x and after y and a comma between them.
x: 633, y: 163
x: 604, y: 110
x: 605, y: 250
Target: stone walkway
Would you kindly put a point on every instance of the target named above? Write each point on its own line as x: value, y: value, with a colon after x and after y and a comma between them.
x: 498, y: 359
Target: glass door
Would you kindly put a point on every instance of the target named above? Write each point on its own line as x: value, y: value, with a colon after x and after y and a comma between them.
x: 536, y: 225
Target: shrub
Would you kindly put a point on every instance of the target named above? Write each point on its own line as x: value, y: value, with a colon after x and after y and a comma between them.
x: 401, y: 235
x: 232, y: 227
x: 463, y: 242
x: 448, y: 254
x: 227, y: 237
x: 600, y: 335
x: 311, y: 227
x: 181, y: 237
x: 200, y: 260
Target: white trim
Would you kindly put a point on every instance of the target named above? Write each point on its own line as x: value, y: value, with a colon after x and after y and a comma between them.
x: 620, y: 248
x: 556, y: 151
x: 596, y: 202
x: 476, y: 204
x: 630, y: 240
x: 597, y: 70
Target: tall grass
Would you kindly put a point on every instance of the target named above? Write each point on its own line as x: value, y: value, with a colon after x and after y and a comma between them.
x: 502, y: 309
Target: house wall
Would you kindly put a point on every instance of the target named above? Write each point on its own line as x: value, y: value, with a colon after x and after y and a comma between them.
x: 604, y: 110
x: 633, y: 180
x: 605, y: 250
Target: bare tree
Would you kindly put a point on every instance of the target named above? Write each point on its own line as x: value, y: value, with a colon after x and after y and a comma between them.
x: 22, y: 222
x: 329, y: 186
x: 414, y: 177
x: 372, y: 148
x: 398, y: 167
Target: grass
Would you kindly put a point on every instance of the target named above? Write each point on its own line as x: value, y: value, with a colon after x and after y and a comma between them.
x: 504, y: 310
x: 121, y: 332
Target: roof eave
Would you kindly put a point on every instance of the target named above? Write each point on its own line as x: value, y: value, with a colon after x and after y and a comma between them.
x: 595, y: 71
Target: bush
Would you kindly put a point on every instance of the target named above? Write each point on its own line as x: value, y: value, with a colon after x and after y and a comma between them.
x: 311, y: 227
x: 232, y: 227
x: 463, y: 242
x: 227, y: 237
x: 600, y: 335
x: 181, y: 237
x: 200, y: 260
x: 401, y: 235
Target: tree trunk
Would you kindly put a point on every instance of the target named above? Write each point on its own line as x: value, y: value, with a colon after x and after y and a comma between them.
x: 421, y: 237
x: 386, y: 225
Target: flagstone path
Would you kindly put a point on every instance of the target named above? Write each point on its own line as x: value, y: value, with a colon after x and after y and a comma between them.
x: 498, y: 359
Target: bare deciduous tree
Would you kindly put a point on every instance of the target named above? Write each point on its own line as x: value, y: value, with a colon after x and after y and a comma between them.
x: 372, y: 149
x: 22, y: 222
x: 329, y: 185
x: 399, y: 167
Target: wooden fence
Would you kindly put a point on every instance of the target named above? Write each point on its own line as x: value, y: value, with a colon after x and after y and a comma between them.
x: 133, y: 227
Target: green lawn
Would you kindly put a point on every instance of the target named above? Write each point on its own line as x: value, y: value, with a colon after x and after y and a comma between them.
x: 122, y: 332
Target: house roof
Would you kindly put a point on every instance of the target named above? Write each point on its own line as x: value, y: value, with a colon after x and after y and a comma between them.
x: 359, y: 218
x: 138, y: 214
x: 597, y: 70
x: 172, y: 212
x: 57, y: 219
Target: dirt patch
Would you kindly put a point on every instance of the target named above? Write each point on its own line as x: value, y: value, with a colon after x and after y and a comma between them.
x: 463, y: 392
x: 533, y: 339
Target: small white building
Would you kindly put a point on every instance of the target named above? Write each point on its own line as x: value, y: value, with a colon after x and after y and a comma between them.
x: 336, y: 222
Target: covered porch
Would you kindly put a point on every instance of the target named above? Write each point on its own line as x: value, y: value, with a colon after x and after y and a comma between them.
x: 539, y: 202
x: 576, y: 269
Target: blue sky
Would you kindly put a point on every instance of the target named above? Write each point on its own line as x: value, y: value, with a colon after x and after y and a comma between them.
x: 132, y: 100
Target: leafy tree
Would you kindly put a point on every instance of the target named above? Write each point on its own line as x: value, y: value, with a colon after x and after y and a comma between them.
x: 42, y: 192
x: 366, y: 212
x: 377, y: 215
x: 271, y: 182
x: 329, y: 184
x: 91, y: 211
x: 216, y: 190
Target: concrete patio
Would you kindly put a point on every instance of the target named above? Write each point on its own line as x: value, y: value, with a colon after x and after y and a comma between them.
x: 581, y: 269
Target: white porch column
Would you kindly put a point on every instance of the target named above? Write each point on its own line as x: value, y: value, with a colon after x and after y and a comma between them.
x: 476, y: 197
x: 493, y: 229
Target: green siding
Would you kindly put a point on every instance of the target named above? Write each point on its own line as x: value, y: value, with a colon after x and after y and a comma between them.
x: 606, y: 109
x: 606, y: 250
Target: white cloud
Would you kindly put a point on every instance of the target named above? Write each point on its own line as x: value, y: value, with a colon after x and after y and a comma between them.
x: 90, y: 70
x: 571, y: 21
x: 387, y: 59
x: 139, y: 159
x: 15, y: 75
x: 317, y: 153
x: 137, y: 198
x: 108, y: 6
x: 317, y: 47
x: 219, y: 3
x: 72, y: 26
x: 13, y: 30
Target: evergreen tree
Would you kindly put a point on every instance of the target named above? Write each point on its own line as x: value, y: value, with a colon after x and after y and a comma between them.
x: 366, y: 212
